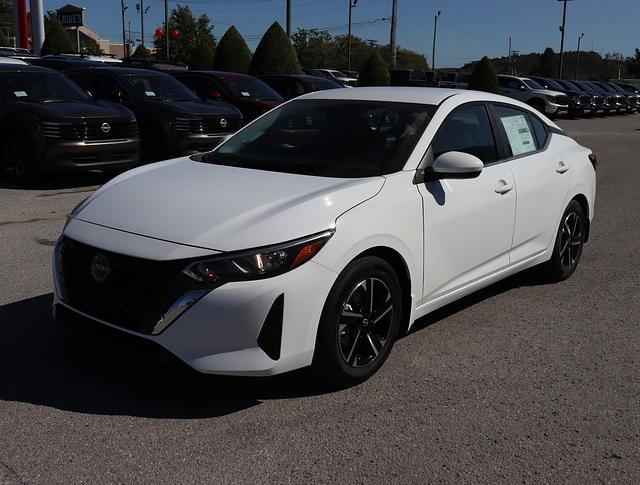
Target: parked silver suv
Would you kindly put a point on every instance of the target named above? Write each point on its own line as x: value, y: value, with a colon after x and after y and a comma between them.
x: 551, y: 103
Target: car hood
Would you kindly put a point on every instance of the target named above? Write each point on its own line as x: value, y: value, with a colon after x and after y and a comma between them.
x: 80, y: 110
x: 223, y: 208
x: 547, y: 92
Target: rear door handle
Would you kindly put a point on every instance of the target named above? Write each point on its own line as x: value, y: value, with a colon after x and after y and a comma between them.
x: 562, y: 167
x: 504, y: 187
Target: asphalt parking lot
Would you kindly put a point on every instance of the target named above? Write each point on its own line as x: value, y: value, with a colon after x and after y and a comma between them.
x: 523, y: 382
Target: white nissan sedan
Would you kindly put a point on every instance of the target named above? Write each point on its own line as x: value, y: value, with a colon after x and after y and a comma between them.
x: 320, y: 232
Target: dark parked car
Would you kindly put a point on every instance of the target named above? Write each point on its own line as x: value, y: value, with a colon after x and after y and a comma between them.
x: 173, y: 120
x: 617, y: 100
x: 248, y: 94
x: 597, y: 100
x: 412, y: 77
x: 629, y: 88
x: 292, y: 86
x: 579, y: 101
x: 63, y: 63
x: 156, y: 65
x: 609, y: 100
x: 48, y: 123
x: 633, y: 100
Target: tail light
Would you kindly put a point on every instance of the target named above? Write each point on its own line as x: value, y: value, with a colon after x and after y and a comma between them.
x: 594, y: 160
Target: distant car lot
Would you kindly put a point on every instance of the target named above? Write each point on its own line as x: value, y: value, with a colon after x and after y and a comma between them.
x: 481, y: 392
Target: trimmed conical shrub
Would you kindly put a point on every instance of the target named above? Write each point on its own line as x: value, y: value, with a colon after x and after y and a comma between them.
x: 202, y: 57
x: 483, y: 77
x: 4, y: 42
x: 140, y: 52
x: 232, y: 53
x: 57, y: 40
x: 374, y: 72
x: 275, y: 54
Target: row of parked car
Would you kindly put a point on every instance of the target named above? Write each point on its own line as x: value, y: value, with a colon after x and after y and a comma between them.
x: 73, y: 112
x: 80, y: 112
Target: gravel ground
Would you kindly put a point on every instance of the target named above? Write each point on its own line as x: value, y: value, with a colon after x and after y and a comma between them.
x: 521, y: 382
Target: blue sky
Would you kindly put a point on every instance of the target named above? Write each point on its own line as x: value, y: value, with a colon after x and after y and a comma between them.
x: 467, y: 29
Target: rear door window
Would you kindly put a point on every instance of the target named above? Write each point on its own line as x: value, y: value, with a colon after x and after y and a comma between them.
x: 524, y: 133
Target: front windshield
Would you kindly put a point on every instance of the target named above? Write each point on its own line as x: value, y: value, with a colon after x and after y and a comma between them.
x: 616, y: 88
x: 331, y: 138
x: 554, y: 85
x: 250, y: 89
x: 596, y: 87
x: 40, y: 87
x: 159, y: 87
x: 532, y: 84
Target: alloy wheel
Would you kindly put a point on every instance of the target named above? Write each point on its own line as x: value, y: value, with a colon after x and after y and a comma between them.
x: 570, y: 240
x: 365, y: 322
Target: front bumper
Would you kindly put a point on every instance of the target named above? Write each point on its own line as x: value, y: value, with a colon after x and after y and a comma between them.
x: 556, y: 109
x: 221, y: 332
x: 85, y: 155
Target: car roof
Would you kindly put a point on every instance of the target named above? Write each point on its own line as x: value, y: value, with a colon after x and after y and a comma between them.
x: 302, y: 77
x: 24, y: 68
x: 119, y: 70
x: 9, y: 60
x: 394, y: 94
x: 220, y: 74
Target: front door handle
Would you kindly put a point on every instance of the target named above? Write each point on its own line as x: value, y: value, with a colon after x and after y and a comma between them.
x: 562, y: 167
x: 504, y: 187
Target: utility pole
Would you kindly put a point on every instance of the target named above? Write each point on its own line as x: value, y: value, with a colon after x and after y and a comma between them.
x: 562, y: 29
x: 289, y: 19
x: 166, y: 25
x: 142, y: 21
x: 125, y: 50
x: 433, y: 51
x: 578, y: 54
x: 352, y: 3
x: 394, y: 33
x: 129, y: 40
x: 509, y: 56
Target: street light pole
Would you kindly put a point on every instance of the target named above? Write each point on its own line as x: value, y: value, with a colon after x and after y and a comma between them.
x: 562, y: 27
x: 166, y: 26
x: 352, y: 3
x: 433, y: 51
x: 393, y: 40
x: 289, y: 19
x: 142, y: 21
x: 125, y: 52
x: 578, y: 54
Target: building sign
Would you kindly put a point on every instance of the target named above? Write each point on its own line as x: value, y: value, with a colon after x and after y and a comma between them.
x: 71, y: 16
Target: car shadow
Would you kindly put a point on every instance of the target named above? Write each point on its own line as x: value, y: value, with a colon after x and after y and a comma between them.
x: 74, y: 368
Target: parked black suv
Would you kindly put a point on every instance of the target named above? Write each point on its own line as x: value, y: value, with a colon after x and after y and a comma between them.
x: 173, y: 120
x: 47, y: 123
x: 597, y: 101
x: 608, y: 105
x: 579, y: 101
x: 292, y: 85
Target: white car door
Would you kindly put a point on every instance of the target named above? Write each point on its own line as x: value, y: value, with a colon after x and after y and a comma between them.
x: 542, y: 180
x: 468, y: 223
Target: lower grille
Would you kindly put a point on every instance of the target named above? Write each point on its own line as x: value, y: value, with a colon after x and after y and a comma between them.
x: 126, y: 291
x: 585, y: 99
x: 209, y: 125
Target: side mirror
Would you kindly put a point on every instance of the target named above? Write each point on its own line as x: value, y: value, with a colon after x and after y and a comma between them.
x: 456, y: 165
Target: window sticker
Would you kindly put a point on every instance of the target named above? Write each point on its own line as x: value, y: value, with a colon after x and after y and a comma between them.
x: 150, y: 93
x: 519, y: 134
x: 246, y: 94
x: 20, y: 94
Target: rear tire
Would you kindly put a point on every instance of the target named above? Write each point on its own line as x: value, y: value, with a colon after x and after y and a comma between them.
x: 567, y: 248
x: 359, y: 323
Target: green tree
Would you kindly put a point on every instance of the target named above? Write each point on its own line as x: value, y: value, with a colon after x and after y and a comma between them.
x: 360, y: 52
x: 484, y: 77
x: 195, y: 36
x: 202, y: 57
x: 633, y: 64
x: 57, y: 41
x: 315, y: 48
x: 140, y: 52
x: 232, y: 53
x: 275, y: 54
x: 91, y: 47
x: 547, y: 65
x: 406, y: 59
x: 374, y: 72
x: 4, y: 42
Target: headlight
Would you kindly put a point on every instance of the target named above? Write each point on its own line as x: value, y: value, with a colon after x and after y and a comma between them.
x: 576, y: 99
x: 257, y: 263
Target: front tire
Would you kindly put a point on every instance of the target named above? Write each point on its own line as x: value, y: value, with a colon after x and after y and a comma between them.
x: 18, y: 162
x: 359, y: 323
x: 568, y: 245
